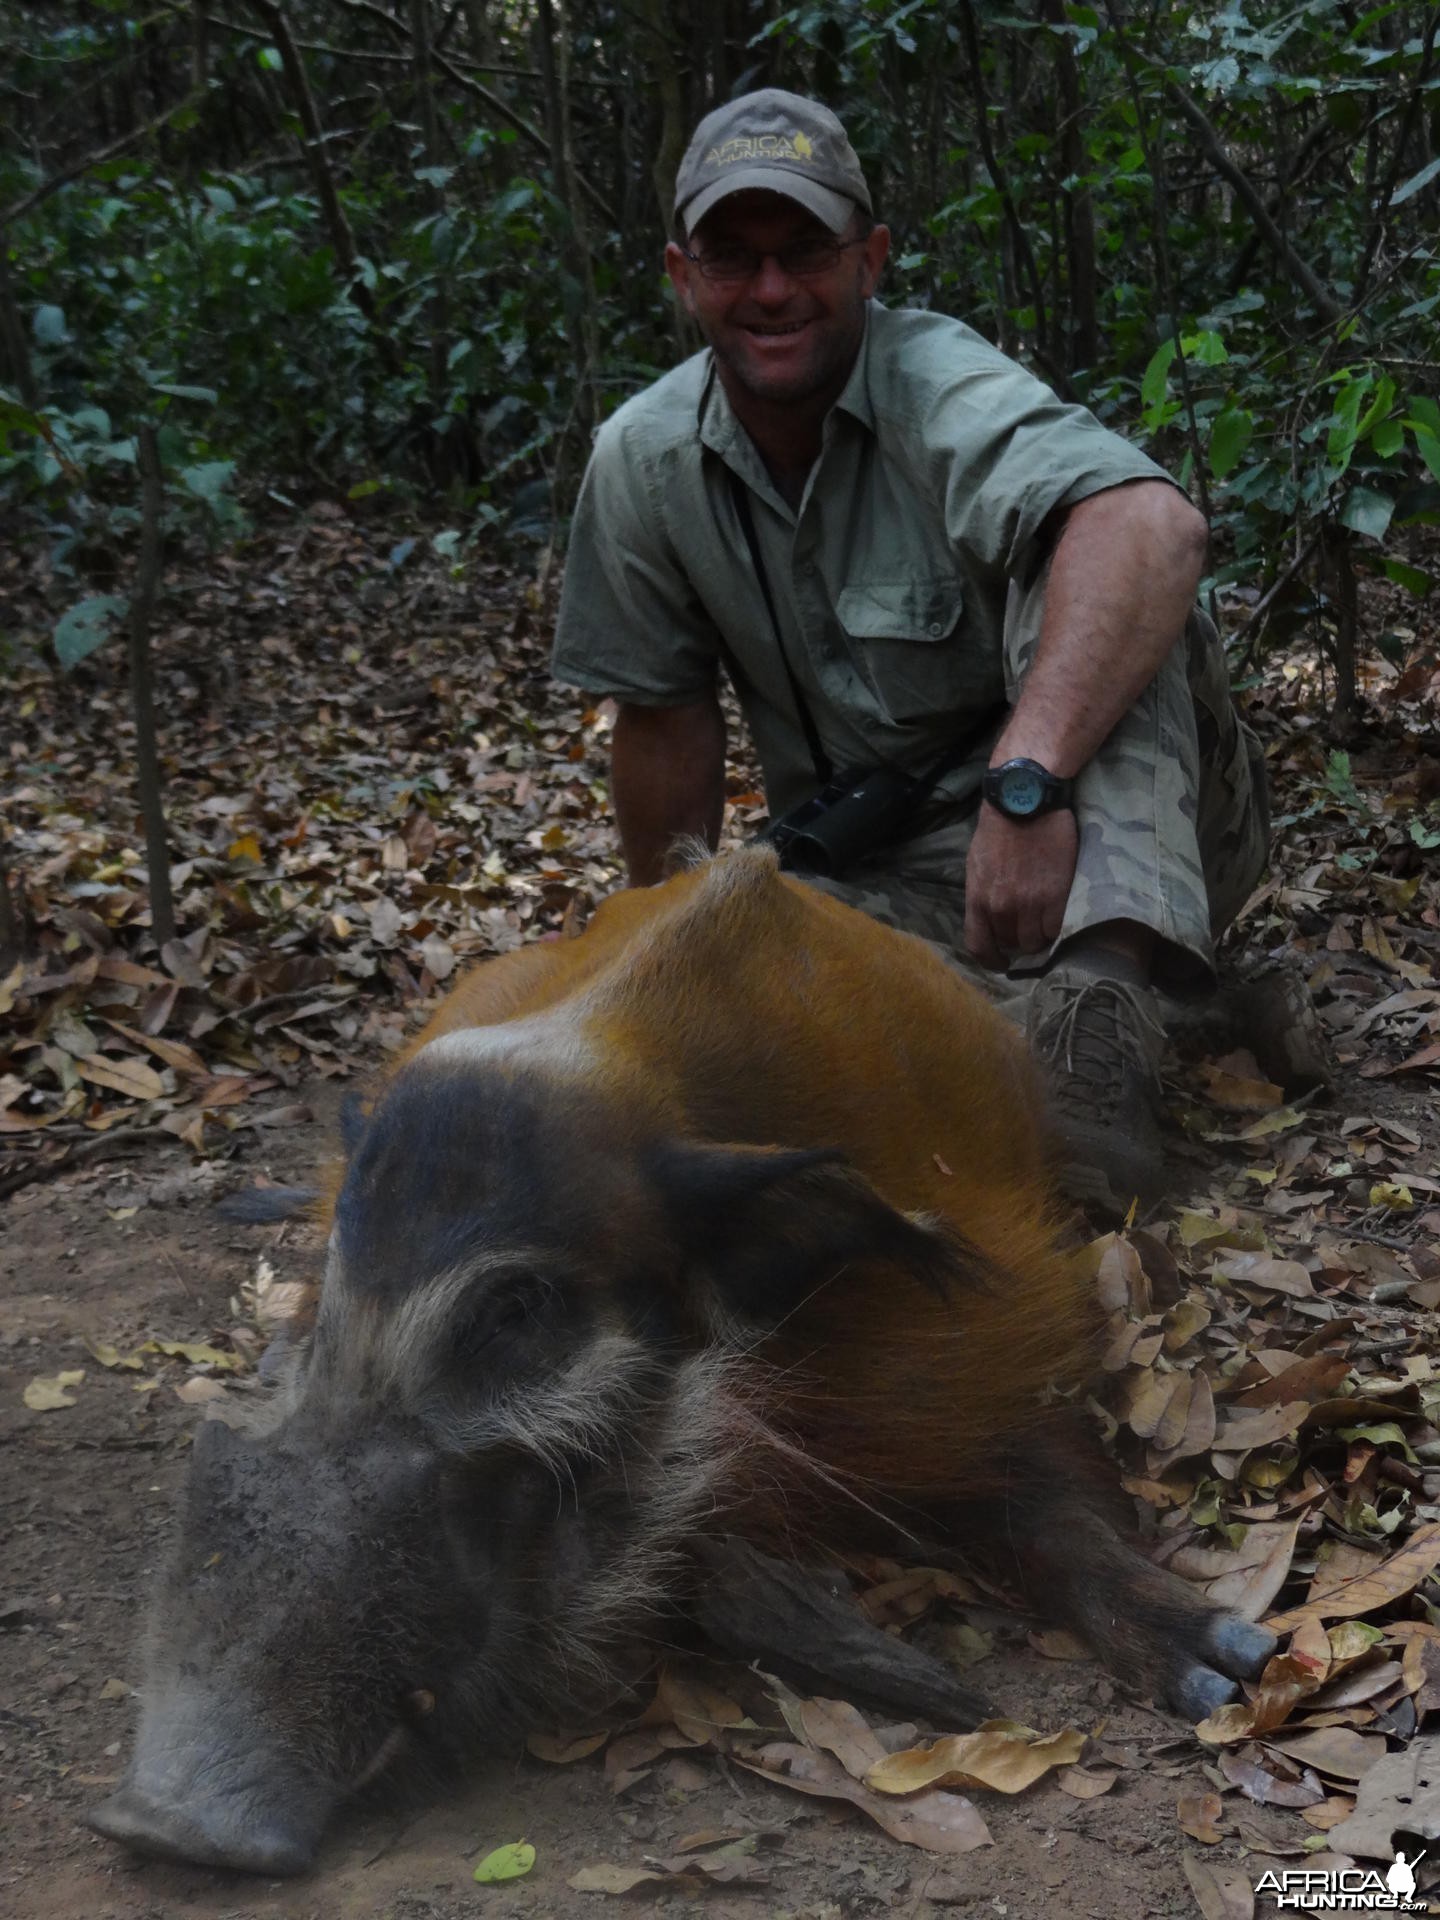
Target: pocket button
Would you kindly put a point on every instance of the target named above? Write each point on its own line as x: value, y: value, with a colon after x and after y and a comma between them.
x: 936, y: 629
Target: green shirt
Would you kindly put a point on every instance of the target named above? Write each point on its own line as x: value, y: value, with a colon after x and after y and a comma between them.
x: 939, y: 463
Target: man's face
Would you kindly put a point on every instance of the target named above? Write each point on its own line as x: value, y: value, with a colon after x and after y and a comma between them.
x: 781, y: 336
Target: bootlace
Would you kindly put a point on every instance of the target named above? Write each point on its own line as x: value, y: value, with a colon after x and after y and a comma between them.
x: 1102, y: 1032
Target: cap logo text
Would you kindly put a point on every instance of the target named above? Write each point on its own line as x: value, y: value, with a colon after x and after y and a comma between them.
x: 762, y: 146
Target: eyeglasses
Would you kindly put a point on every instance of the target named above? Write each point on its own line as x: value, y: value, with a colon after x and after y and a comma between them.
x: 801, y: 260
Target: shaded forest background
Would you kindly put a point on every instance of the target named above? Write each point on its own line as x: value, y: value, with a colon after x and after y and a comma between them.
x: 410, y: 252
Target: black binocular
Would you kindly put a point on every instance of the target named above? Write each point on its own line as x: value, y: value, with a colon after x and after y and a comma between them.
x: 852, y: 815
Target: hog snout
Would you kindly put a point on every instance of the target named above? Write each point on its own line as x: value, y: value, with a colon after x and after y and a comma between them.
x: 199, y: 1793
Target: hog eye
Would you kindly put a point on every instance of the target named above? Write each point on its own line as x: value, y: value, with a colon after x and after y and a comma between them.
x: 489, y: 1323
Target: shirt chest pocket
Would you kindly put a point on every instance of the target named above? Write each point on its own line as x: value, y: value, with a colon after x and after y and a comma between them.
x: 907, y: 639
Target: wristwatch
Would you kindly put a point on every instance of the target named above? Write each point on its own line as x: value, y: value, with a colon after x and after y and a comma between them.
x: 1022, y: 788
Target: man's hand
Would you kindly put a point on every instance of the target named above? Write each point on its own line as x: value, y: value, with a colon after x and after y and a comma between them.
x: 1017, y: 880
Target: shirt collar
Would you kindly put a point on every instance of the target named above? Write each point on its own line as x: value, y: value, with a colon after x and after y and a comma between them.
x: 723, y: 434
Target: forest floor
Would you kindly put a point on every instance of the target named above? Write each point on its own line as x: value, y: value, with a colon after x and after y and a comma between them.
x: 372, y: 781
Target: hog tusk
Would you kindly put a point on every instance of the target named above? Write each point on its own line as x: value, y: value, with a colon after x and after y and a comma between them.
x: 379, y: 1760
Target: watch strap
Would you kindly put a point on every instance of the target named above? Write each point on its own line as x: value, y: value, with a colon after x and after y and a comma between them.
x: 1058, y: 792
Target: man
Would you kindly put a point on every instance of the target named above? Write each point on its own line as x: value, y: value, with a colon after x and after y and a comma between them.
x: 908, y: 554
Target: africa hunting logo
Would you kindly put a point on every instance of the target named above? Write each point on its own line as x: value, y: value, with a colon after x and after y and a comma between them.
x: 794, y: 147
x: 1345, y: 1889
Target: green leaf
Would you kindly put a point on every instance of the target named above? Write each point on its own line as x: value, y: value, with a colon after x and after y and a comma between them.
x: 86, y: 626
x: 17, y: 419
x: 1428, y: 446
x: 1340, y: 441
x: 49, y: 326
x: 1367, y: 510
x: 1157, y: 374
x: 1339, y: 781
x: 1388, y: 438
x: 1229, y: 437
x: 1414, y: 579
x: 1379, y: 407
x: 1415, y: 183
x: 1206, y: 348
x: 207, y: 394
x: 269, y: 61
x: 1423, y: 412
x: 1384, y: 1434
x: 363, y: 489
x: 506, y: 1863
x: 208, y: 480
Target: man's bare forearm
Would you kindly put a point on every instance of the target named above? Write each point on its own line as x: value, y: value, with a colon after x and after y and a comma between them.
x: 667, y: 776
x: 1122, y: 584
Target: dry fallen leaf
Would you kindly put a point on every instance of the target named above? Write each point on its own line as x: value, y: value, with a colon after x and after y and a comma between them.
x: 938, y: 1822
x: 130, y: 1077
x: 998, y: 1755
x: 197, y: 1353
x: 1222, y: 1891
x: 1085, y: 1783
x: 1338, y: 1752
x: 1236, y: 1094
x: 1199, y: 1816
x: 1329, y: 1813
x: 48, y: 1392
x: 1267, y: 1274
x: 1376, y: 1588
x: 198, y: 1391
x: 836, y: 1727
x: 109, y: 1356
x: 560, y: 1749
x: 685, y: 1701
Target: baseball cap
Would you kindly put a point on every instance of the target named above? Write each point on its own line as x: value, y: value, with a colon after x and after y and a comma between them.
x: 775, y: 142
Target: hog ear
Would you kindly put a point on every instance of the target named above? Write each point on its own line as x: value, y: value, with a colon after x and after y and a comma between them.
x: 769, y: 1225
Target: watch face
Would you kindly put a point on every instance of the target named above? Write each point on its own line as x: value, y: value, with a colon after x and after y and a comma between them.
x: 1022, y: 790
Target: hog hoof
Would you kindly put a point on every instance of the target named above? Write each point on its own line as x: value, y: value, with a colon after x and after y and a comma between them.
x: 1199, y: 1691
x: 1238, y: 1647
x: 1230, y: 1649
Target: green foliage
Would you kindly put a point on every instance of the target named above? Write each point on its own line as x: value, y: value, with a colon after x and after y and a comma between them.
x: 1043, y: 170
x: 87, y: 625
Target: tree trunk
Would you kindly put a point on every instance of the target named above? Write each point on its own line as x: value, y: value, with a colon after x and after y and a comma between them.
x: 1020, y: 248
x: 554, y: 26
x: 14, y: 346
x: 323, y: 180
x: 666, y: 73
x: 434, y: 198
x: 1084, y: 344
x: 1340, y: 569
x: 17, y: 936
x: 200, y: 46
x: 142, y: 690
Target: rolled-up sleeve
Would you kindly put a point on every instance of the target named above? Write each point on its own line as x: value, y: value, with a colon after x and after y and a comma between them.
x: 631, y: 624
x: 1005, y: 453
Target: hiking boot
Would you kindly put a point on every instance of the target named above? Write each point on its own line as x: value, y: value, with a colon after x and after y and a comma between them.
x: 1266, y: 1006
x: 1099, y: 1042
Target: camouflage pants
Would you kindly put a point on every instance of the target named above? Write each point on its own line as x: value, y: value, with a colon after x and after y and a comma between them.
x: 1173, y: 815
